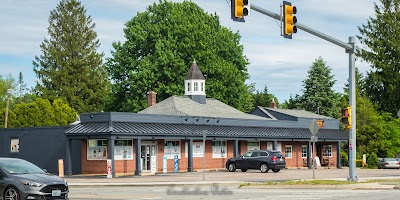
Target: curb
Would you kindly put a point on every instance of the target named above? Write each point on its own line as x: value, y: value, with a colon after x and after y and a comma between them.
x: 357, y: 186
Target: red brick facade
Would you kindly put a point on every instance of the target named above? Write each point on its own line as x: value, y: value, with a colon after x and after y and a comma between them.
x: 129, y: 166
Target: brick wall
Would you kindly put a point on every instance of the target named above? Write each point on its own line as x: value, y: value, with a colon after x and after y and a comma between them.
x: 129, y: 166
x: 100, y: 166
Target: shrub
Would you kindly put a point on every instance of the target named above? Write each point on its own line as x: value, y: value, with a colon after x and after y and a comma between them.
x: 372, y: 160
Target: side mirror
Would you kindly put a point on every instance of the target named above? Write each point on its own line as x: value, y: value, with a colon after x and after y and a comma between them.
x: 45, y: 170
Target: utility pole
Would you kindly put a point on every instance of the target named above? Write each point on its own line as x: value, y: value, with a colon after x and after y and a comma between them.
x: 350, y: 49
x: 9, y: 91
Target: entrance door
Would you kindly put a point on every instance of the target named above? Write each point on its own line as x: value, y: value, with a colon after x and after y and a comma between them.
x: 148, y: 157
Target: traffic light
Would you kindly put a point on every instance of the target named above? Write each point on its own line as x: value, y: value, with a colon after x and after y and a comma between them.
x: 289, y: 20
x: 346, y: 117
x: 239, y: 9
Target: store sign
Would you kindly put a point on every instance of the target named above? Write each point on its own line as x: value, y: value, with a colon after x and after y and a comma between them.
x: 14, y: 144
x: 123, y: 152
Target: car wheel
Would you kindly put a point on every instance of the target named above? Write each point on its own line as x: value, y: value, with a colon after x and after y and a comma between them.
x: 11, y: 193
x: 244, y: 170
x: 232, y: 167
x: 264, y: 168
x: 276, y: 170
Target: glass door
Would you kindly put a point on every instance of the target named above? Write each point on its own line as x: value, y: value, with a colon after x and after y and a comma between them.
x: 148, y: 151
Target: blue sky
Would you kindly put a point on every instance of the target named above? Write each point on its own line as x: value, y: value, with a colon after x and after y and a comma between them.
x: 280, y: 64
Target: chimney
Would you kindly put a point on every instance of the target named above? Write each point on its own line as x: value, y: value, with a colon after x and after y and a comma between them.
x: 151, y: 98
x: 272, y: 104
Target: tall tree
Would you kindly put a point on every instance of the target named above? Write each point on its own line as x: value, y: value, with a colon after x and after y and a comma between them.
x: 381, y: 40
x: 263, y: 98
x: 162, y: 42
x: 318, y: 95
x: 69, y: 67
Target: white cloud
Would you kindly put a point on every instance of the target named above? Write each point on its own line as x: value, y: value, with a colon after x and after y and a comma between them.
x: 279, y: 63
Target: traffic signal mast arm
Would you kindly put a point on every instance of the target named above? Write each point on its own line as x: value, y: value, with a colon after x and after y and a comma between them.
x: 350, y: 49
x: 344, y: 45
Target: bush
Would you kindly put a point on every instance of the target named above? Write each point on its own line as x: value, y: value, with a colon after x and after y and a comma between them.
x: 372, y: 160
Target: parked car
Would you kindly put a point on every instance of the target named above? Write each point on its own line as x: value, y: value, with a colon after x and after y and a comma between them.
x: 264, y: 160
x: 386, y: 163
x: 20, y: 179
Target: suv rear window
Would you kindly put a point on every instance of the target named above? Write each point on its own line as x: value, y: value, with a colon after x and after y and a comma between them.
x: 277, y: 154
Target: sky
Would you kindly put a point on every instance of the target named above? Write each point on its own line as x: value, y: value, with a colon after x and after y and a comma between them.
x: 278, y: 63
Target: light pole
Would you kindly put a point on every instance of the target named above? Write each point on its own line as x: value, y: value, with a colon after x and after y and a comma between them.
x: 9, y: 91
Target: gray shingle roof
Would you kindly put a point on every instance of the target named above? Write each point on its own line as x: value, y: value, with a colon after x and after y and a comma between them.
x: 163, y: 129
x: 298, y: 113
x: 184, y: 106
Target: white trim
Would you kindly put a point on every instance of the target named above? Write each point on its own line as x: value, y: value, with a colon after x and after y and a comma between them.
x: 291, y: 151
x: 95, y: 155
x: 302, y: 151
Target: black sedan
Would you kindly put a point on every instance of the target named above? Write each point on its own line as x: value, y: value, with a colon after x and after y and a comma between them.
x: 264, y: 160
x: 20, y: 179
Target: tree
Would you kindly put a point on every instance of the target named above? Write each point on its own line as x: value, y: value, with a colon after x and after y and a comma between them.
x: 161, y: 43
x: 292, y: 103
x: 263, y: 98
x: 69, y: 67
x: 318, y: 95
x: 381, y: 38
x: 39, y: 113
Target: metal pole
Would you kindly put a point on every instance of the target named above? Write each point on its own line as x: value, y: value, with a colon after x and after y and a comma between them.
x: 9, y: 91
x: 204, y: 154
x: 313, y: 169
x: 352, y: 100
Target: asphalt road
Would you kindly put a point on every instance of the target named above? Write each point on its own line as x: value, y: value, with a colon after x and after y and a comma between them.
x: 225, y: 192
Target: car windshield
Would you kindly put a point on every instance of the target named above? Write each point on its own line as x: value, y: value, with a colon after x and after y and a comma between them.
x: 20, y: 167
x: 390, y: 159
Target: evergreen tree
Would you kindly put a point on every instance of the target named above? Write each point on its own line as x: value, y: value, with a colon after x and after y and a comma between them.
x: 162, y: 42
x: 69, y: 67
x: 381, y: 40
x: 263, y: 98
x: 318, y: 95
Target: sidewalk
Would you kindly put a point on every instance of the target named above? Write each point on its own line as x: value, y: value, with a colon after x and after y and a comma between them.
x: 196, y: 179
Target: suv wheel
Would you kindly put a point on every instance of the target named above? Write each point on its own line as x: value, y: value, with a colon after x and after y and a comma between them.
x: 264, y: 168
x: 232, y: 167
x: 244, y: 170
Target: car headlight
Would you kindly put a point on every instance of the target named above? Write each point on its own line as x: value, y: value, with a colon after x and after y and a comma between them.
x: 31, y: 183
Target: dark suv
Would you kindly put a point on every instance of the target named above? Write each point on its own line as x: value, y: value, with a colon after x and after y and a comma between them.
x: 258, y: 159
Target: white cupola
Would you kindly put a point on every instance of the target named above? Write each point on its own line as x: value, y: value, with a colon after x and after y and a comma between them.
x: 195, y: 84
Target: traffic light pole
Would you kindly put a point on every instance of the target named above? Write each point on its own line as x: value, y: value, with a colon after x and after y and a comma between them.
x: 350, y: 49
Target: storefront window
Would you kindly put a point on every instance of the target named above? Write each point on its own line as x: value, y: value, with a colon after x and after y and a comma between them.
x: 253, y: 146
x: 288, y: 151
x: 304, y: 151
x: 97, y: 149
x: 172, y: 149
x: 123, y: 150
x: 327, y: 151
x: 219, y: 149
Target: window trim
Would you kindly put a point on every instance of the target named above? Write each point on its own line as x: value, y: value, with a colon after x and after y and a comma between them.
x: 329, y: 152
x: 223, y: 154
x: 291, y: 151
x: 103, y: 147
x: 302, y: 151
